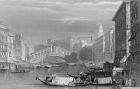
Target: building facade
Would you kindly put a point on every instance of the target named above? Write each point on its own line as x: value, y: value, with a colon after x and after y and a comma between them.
x: 123, y: 45
x: 18, y: 47
x: 80, y: 41
x: 39, y: 47
x: 99, y: 47
x: 58, y: 51
x: 104, y: 48
x: 10, y: 48
x: 25, y: 52
x: 83, y: 39
x: 3, y: 47
x: 109, y: 49
x: 99, y: 51
x: 64, y: 43
x: 134, y: 61
x: 31, y: 49
x: 120, y: 34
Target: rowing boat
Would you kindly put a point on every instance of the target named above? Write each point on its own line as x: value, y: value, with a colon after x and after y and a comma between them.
x: 53, y: 84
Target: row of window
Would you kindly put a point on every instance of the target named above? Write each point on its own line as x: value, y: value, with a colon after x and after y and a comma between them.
x: 3, y: 47
x: 3, y: 38
x: 134, y: 13
x: 136, y: 33
x: 3, y: 32
x: 3, y: 54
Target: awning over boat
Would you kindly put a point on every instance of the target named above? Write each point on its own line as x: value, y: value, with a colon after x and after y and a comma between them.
x: 60, y: 79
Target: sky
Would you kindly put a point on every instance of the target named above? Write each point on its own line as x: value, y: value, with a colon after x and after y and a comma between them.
x: 39, y: 20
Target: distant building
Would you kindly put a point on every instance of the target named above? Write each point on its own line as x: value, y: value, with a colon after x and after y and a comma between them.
x: 63, y: 43
x: 99, y: 54
x: 104, y: 47
x: 39, y: 47
x: 58, y: 51
x: 76, y: 46
x: 101, y: 31
x: 18, y: 47
x: 3, y: 46
x: 49, y: 42
x: 80, y: 41
x: 99, y: 46
x: 25, y: 52
x: 31, y: 49
x: 10, y: 48
x: 109, y: 43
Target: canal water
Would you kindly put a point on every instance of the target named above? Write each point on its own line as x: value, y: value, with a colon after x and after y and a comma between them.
x: 27, y: 81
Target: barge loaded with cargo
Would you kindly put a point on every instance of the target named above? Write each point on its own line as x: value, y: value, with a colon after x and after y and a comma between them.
x: 81, y: 79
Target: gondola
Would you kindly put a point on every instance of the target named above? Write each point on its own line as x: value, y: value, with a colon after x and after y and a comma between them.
x: 51, y: 84
x: 43, y: 81
x: 20, y: 71
x: 82, y: 84
x: 104, y: 83
x: 96, y: 84
x: 108, y: 81
x: 79, y: 84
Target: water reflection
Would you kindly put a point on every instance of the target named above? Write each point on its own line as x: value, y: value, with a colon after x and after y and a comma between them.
x: 84, y: 87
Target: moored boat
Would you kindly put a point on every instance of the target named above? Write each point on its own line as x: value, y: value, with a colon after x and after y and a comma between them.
x: 3, y: 70
x: 82, y: 79
x: 102, y: 78
x: 20, y: 71
x: 50, y: 83
x: 103, y: 81
x: 58, y: 80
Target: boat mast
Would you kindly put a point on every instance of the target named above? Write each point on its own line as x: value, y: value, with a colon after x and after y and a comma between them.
x: 92, y: 47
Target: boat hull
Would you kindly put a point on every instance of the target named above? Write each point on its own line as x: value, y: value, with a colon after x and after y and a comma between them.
x: 103, y: 84
x: 51, y: 84
x: 21, y: 71
x: 75, y: 84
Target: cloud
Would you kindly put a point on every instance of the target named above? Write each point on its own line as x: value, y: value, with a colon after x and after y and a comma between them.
x: 73, y: 19
x: 39, y: 19
x: 61, y: 6
x: 101, y: 3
